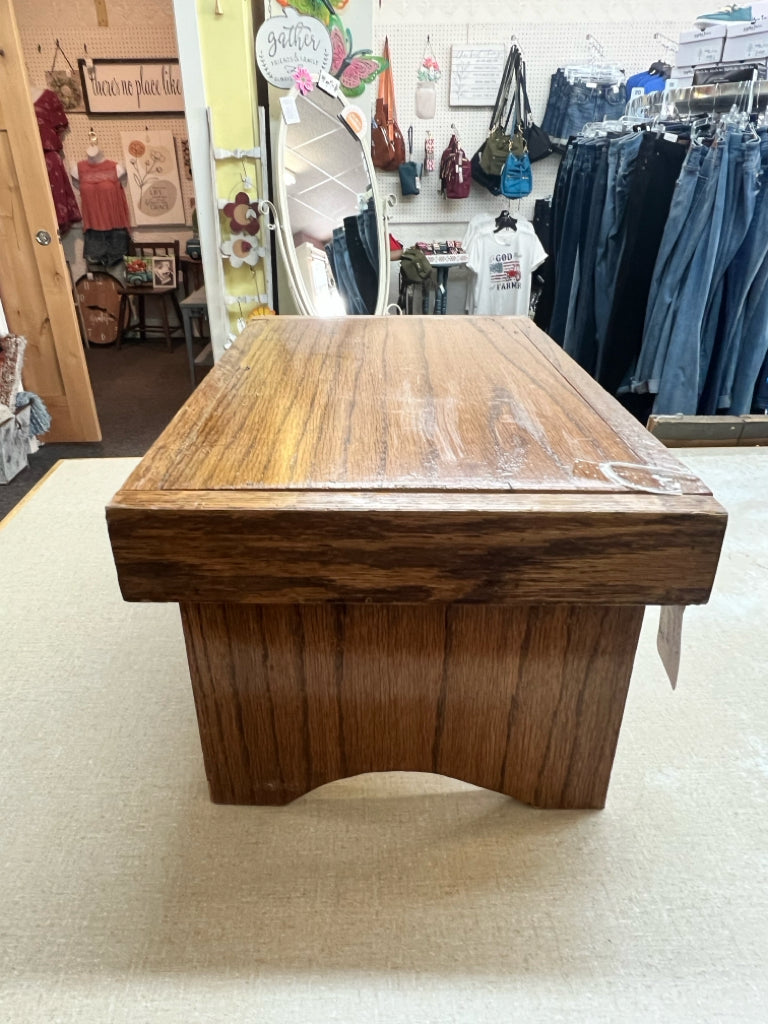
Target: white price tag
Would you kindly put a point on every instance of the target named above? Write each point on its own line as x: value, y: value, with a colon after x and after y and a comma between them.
x: 637, y: 92
x: 240, y: 324
x: 328, y: 83
x: 671, y: 83
x: 669, y: 640
x: 290, y: 110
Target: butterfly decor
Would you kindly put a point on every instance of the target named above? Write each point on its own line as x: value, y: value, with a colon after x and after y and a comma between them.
x: 315, y: 8
x: 354, y: 68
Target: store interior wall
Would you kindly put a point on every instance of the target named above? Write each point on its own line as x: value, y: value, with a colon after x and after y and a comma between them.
x: 137, y: 29
x: 549, y: 35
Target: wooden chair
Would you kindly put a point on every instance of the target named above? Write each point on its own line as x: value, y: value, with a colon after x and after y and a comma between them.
x: 156, y: 289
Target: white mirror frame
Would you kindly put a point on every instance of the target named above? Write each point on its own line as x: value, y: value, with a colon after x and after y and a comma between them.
x: 281, y: 225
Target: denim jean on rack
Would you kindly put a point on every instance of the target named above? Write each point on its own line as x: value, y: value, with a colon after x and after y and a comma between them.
x: 740, y: 263
x: 345, y: 275
x: 678, y: 389
x: 580, y: 339
x: 559, y: 90
x: 656, y: 171
x: 573, y: 229
x: 741, y: 188
x: 584, y: 103
x: 675, y: 252
x: 622, y: 155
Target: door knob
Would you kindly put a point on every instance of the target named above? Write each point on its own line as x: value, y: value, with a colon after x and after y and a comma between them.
x: 43, y: 238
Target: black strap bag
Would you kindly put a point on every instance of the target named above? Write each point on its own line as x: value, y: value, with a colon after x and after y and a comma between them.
x: 537, y: 140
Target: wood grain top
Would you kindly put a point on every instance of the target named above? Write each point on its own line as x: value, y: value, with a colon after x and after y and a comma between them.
x: 404, y: 404
x: 393, y: 459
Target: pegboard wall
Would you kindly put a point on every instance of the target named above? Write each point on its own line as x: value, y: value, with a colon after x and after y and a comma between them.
x: 144, y: 36
x: 545, y: 47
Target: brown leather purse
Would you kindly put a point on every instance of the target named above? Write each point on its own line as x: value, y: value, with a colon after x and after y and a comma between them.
x: 385, y: 123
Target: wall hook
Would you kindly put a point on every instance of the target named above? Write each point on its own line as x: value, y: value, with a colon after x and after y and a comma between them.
x: 217, y: 8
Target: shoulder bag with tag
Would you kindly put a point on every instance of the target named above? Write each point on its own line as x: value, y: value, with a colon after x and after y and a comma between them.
x: 536, y: 138
x: 516, y: 177
x: 410, y: 171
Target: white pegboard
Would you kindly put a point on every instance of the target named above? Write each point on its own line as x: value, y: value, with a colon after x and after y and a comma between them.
x: 545, y: 47
x: 146, y: 39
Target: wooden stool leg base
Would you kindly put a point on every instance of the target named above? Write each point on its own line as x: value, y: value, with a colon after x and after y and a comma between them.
x: 524, y: 700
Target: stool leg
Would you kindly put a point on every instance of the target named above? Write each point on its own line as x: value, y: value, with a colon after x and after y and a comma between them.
x: 121, y: 320
x: 142, y: 318
x: 166, y: 328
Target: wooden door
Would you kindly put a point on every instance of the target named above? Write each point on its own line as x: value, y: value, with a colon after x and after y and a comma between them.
x: 35, y: 285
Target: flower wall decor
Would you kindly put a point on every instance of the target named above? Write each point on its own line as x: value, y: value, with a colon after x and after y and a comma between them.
x: 303, y: 80
x: 243, y: 215
x: 239, y: 250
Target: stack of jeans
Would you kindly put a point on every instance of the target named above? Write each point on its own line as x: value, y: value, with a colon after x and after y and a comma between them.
x: 353, y: 255
x: 660, y: 257
x: 571, y: 105
x: 689, y: 332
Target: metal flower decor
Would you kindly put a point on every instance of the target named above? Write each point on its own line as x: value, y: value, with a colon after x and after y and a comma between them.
x: 243, y: 214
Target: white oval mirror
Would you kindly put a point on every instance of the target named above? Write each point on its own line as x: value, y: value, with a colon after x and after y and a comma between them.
x: 331, y: 222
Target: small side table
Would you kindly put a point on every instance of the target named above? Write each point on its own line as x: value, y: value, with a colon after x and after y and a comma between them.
x: 443, y: 263
x: 194, y: 307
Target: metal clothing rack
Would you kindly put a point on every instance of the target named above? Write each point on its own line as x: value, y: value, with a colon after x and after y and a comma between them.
x: 750, y: 96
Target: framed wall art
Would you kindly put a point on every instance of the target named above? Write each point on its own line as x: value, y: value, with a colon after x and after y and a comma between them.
x: 153, y: 177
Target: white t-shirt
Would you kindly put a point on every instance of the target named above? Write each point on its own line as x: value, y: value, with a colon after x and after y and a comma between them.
x: 503, y: 264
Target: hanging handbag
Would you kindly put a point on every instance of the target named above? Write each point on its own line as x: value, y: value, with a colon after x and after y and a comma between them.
x: 410, y: 171
x: 387, y: 85
x: 382, y: 149
x: 455, y: 171
x: 537, y: 141
x: 493, y: 152
x: 517, y: 178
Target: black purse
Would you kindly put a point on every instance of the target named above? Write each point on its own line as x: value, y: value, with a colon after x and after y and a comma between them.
x: 539, y: 143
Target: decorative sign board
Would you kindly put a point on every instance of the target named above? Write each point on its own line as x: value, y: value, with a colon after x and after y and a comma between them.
x: 153, y: 177
x: 291, y: 41
x: 132, y: 87
x: 476, y: 73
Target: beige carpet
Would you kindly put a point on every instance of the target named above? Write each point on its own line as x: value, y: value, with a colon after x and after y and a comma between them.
x: 127, y: 897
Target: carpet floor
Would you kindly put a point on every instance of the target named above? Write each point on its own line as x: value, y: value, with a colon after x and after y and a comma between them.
x: 128, y: 897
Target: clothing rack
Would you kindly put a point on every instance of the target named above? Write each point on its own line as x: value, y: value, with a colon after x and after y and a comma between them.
x: 750, y: 96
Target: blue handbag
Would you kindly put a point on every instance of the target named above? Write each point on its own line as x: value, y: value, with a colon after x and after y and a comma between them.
x: 516, y: 178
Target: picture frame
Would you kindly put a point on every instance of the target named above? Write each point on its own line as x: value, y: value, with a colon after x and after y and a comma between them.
x: 163, y: 272
x: 132, y: 88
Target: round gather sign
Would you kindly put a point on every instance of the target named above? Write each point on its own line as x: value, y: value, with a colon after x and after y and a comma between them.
x: 291, y: 41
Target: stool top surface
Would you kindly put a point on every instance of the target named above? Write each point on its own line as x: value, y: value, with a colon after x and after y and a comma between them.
x: 409, y: 459
x: 459, y: 404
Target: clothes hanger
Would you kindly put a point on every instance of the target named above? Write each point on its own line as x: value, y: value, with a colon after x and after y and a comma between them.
x: 505, y: 221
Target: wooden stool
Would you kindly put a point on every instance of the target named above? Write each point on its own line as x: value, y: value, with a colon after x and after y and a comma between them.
x: 428, y: 552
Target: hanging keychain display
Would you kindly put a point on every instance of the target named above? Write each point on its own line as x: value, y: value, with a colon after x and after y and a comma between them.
x: 429, y: 75
x: 429, y: 153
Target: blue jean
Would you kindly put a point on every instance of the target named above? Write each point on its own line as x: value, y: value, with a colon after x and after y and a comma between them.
x: 572, y: 233
x: 740, y: 197
x: 675, y: 252
x: 559, y: 89
x: 580, y: 340
x: 678, y: 388
x: 622, y: 156
x: 754, y: 345
x: 345, y: 275
x: 739, y: 279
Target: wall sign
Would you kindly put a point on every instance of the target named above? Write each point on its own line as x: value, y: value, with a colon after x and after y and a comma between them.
x: 476, y: 72
x: 153, y: 177
x: 132, y: 87
x: 285, y: 43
